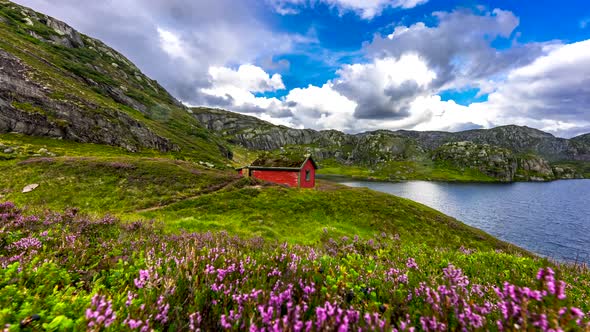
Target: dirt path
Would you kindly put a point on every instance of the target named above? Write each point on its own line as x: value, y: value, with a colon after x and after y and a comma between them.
x: 205, y: 191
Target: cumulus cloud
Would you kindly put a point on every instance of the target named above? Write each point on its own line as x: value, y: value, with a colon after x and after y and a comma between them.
x: 386, y: 87
x: 247, y: 77
x: 321, y: 108
x: 546, y: 86
x: 552, y: 93
x: 366, y: 9
x: 236, y: 88
x: 459, y: 47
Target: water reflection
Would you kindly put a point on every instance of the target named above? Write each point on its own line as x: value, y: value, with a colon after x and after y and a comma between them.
x: 551, y: 219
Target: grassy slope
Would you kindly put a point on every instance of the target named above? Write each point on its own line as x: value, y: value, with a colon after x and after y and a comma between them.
x: 98, y: 178
x: 67, y: 72
x: 78, y: 258
x: 301, y: 216
x: 102, y: 179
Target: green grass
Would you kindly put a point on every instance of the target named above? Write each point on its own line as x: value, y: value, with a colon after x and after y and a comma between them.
x: 186, y: 195
x: 106, y: 184
x: 55, y: 264
x: 302, y: 216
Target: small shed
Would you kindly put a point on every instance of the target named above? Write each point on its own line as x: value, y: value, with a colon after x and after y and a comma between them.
x: 294, y: 172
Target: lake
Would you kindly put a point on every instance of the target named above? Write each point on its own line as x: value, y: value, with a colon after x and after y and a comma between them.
x: 551, y: 219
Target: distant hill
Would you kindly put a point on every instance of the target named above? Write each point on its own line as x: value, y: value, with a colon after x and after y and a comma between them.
x: 583, y: 140
x: 527, y: 152
x: 252, y: 132
x: 57, y: 82
x: 520, y: 139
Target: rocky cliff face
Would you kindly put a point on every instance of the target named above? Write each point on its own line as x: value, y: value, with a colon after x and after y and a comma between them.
x: 26, y: 107
x: 57, y: 82
x: 515, y: 138
x: 534, y: 168
x: 363, y: 149
x: 493, y: 161
x: 503, y: 153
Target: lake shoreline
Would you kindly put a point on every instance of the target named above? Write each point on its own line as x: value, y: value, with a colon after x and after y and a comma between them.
x: 549, y: 219
x: 372, y: 179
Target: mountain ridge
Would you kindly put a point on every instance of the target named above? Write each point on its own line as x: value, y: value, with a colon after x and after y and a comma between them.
x: 505, y: 153
x: 213, y: 119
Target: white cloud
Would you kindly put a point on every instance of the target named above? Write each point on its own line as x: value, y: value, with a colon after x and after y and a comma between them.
x: 385, y: 87
x: 366, y: 9
x: 248, y: 77
x: 172, y: 45
x: 235, y: 89
x: 552, y: 93
x: 321, y: 108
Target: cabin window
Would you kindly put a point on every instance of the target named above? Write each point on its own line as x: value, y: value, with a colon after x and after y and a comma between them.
x: 307, y: 175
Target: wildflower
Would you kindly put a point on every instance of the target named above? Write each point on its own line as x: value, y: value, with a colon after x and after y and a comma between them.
x: 194, y: 321
x: 100, y: 313
x: 130, y: 297
x: 163, y: 308
x: 144, y: 276
x: 561, y: 290
x: 411, y: 264
x: 133, y: 324
x: 27, y: 243
x: 547, y: 275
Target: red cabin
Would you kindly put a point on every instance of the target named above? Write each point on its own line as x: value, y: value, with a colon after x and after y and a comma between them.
x: 294, y: 173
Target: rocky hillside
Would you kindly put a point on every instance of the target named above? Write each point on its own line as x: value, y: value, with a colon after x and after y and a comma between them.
x: 516, y: 138
x: 582, y: 140
x: 505, y: 153
x: 500, y: 163
x: 57, y: 82
x: 364, y: 149
x: 254, y: 133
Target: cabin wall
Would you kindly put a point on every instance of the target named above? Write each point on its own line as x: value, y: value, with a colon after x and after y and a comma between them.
x: 284, y: 177
x: 302, y: 180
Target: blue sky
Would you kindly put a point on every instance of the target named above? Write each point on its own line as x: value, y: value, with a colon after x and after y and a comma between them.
x: 344, y: 33
x: 358, y: 65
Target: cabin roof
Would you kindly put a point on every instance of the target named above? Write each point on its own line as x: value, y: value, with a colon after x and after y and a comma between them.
x: 281, y: 163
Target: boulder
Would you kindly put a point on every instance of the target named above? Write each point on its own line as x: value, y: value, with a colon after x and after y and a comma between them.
x: 30, y: 187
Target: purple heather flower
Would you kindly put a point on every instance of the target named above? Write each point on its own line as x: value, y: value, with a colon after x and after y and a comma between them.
x: 27, y: 243
x: 411, y: 264
x: 133, y: 324
x: 144, y: 276
x: 561, y: 290
x: 194, y: 321
x: 100, y: 312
